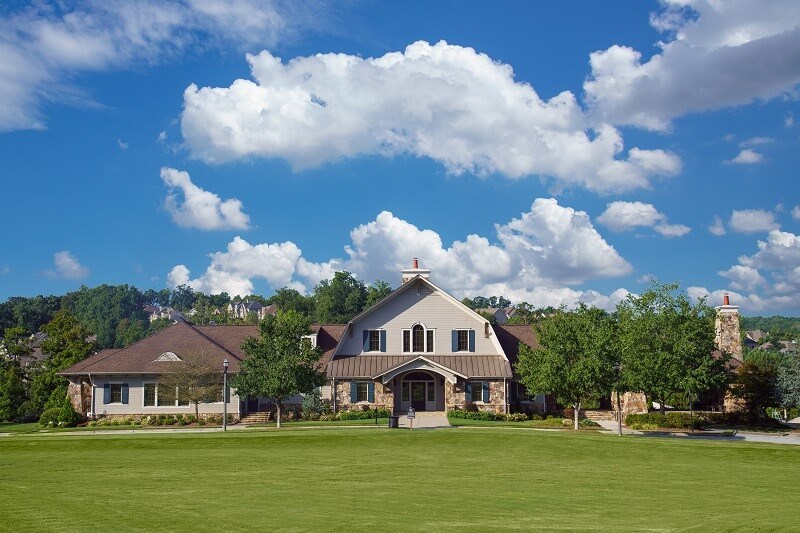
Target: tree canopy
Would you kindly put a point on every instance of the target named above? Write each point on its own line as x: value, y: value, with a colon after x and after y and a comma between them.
x: 575, y: 359
x: 665, y: 344
x: 280, y: 362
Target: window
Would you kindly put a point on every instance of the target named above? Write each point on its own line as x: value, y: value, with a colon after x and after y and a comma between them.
x: 374, y: 341
x: 478, y: 391
x: 149, y: 394
x: 463, y: 340
x: 418, y: 336
x: 116, y: 393
x: 362, y: 391
x: 362, y: 394
x: 165, y: 397
x: 418, y: 339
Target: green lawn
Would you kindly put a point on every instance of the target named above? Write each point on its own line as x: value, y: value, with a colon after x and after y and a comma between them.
x: 387, y: 480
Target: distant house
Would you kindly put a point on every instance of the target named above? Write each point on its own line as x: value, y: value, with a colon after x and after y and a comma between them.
x: 155, y: 312
x: 500, y: 315
x: 247, y: 308
x: 753, y: 338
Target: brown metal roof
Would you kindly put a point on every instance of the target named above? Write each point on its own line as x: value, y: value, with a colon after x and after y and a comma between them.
x: 367, y: 366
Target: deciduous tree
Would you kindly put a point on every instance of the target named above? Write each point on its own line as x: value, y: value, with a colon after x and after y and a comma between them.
x: 195, y: 381
x: 575, y: 358
x: 280, y: 362
x: 666, y: 344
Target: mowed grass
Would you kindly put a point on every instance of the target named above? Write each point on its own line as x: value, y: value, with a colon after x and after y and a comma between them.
x: 388, y: 480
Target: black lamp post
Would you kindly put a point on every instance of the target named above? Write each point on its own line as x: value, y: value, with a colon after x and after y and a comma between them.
x: 224, y: 395
x: 617, y: 368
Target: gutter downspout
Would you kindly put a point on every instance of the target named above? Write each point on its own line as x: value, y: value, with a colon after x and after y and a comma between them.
x: 333, y: 393
x: 91, y: 381
x: 505, y: 397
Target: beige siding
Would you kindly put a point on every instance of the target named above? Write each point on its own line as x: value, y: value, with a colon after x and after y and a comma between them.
x: 431, y: 309
x: 135, y: 405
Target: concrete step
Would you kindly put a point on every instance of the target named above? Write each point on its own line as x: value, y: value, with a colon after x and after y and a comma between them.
x: 255, y: 418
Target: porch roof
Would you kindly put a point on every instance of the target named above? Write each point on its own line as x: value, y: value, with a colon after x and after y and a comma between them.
x: 369, y: 366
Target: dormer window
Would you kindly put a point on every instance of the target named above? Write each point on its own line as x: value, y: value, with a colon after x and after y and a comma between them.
x: 418, y: 339
x: 374, y: 340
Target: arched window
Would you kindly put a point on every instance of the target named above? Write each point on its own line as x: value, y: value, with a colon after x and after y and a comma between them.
x: 418, y: 336
x: 418, y: 339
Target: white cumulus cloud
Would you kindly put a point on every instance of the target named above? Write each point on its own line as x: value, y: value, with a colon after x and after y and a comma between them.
x: 536, y: 255
x: 717, y: 227
x: 746, y: 157
x: 200, y: 208
x: 67, y: 266
x: 441, y: 101
x: 779, y: 257
x: 714, y: 54
x: 624, y: 216
x: 752, y: 221
x: 46, y: 45
x: 796, y: 212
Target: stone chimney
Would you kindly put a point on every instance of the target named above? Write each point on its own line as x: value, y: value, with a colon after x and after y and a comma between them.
x: 728, y: 339
x: 415, y: 270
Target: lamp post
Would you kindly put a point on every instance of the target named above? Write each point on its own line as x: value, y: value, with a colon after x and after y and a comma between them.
x: 617, y: 368
x: 224, y: 395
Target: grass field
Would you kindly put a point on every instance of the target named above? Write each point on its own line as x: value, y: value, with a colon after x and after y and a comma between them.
x: 387, y: 480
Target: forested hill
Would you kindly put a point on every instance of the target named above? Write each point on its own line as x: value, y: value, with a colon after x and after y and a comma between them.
x: 785, y: 327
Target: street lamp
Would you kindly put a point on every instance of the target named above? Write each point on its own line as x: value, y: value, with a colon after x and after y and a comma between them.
x: 224, y: 395
x: 617, y: 368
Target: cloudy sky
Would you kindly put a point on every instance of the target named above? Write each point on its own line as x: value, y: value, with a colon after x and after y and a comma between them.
x: 550, y: 152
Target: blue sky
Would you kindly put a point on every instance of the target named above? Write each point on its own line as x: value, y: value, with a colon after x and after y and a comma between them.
x: 551, y: 152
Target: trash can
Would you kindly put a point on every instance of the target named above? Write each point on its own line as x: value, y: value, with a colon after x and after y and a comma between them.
x: 394, y: 421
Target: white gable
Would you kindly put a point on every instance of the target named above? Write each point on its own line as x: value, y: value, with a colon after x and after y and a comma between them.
x: 420, y: 302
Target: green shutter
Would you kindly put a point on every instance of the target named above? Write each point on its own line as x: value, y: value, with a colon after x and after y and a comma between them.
x: 366, y: 340
x: 124, y: 393
x: 353, y: 392
x: 383, y: 340
x: 472, y: 340
x: 485, y: 391
x: 107, y: 393
x: 371, y: 392
x: 455, y: 340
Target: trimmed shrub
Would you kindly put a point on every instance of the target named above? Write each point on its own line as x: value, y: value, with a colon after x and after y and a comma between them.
x: 487, y: 416
x: 362, y: 414
x: 517, y: 417
x: 672, y: 420
x: 49, y: 417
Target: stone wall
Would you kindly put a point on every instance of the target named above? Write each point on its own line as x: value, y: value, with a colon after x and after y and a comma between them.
x: 384, y: 397
x: 455, y: 397
x: 79, y: 392
x: 630, y: 403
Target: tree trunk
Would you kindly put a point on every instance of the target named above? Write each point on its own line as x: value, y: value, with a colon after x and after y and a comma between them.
x: 577, y: 408
x: 278, y: 412
x: 662, y: 407
x: 196, y: 411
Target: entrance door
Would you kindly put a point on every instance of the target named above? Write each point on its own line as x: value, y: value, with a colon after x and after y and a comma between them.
x: 418, y: 395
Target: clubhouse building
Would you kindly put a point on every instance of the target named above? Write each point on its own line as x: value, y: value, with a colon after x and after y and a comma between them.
x: 418, y: 347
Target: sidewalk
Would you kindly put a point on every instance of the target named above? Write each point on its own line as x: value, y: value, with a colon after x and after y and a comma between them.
x: 610, y: 426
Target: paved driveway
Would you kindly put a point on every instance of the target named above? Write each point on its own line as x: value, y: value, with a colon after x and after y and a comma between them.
x: 433, y: 419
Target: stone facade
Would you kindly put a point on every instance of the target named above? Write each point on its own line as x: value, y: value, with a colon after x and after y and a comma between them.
x: 455, y: 397
x: 727, y: 334
x: 630, y: 403
x: 79, y: 392
x: 384, y: 396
